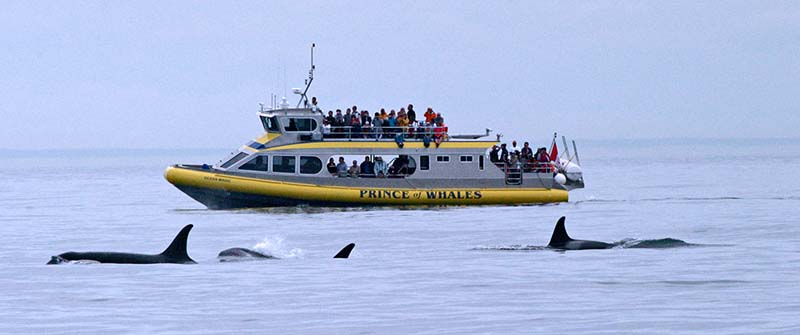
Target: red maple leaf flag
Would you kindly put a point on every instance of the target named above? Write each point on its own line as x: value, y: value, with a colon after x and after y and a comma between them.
x: 554, y: 152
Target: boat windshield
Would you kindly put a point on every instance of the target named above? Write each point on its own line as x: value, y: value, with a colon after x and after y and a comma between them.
x: 270, y: 124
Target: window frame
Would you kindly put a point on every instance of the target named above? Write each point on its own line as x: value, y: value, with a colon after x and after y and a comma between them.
x: 469, y: 160
x: 255, y: 157
x: 233, y: 160
x: 300, y: 164
x: 444, y: 159
x: 294, y: 164
x: 424, y: 162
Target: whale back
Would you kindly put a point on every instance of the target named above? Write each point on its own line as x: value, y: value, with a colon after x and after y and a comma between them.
x: 560, y: 236
x: 176, y: 251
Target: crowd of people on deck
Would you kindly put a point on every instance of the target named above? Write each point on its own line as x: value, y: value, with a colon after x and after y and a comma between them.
x: 401, y: 124
x: 521, y: 158
x: 369, y: 168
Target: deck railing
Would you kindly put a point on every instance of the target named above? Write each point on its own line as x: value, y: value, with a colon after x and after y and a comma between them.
x: 386, y: 133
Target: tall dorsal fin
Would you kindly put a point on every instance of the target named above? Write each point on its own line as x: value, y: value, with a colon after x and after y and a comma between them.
x: 176, y: 251
x: 345, y: 252
x: 559, y: 234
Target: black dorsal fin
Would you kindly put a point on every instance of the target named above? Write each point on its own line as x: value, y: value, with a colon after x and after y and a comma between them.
x: 560, y: 236
x: 176, y: 251
x: 345, y: 252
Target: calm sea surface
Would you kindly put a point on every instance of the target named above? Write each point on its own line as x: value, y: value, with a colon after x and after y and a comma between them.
x: 445, y: 270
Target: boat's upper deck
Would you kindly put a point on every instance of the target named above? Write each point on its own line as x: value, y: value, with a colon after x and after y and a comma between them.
x: 302, y: 125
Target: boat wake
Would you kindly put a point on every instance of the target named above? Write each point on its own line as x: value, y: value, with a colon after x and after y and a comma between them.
x: 667, y: 199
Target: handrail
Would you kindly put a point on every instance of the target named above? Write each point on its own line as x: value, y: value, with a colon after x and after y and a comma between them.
x: 541, y: 167
x: 386, y: 133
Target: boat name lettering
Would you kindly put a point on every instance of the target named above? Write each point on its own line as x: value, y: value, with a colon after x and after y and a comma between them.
x: 431, y: 195
x: 222, y: 180
x: 383, y: 194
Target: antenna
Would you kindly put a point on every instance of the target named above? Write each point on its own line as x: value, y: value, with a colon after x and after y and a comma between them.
x: 303, y: 97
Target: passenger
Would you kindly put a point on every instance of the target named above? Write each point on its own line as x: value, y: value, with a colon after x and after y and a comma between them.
x: 380, y: 168
x: 331, y: 166
x: 429, y: 115
x: 367, y: 168
x: 355, y: 126
x: 526, y: 157
x: 366, y: 121
x: 341, y: 168
x: 438, y: 134
x: 399, y: 166
x: 353, y: 170
x: 412, y: 115
x: 392, y: 121
x: 330, y: 118
x: 438, y: 119
x: 493, y: 155
x: 377, y: 126
x: 514, y: 148
x: 313, y: 106
x: 402, y: 124
x: 542, y: 160
x: 503, y: 153
x: 339, y: 118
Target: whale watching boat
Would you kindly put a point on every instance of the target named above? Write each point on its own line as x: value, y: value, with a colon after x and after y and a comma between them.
x: 294, y: 162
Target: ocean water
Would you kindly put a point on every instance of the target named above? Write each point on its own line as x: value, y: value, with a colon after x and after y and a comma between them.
x: 450, y: 270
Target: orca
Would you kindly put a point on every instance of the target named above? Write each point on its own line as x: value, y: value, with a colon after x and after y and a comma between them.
x: 345, y: 252
x: 175, y: 253
x: 241, y: 254
x: 244, y: 254
x: 561, y: 240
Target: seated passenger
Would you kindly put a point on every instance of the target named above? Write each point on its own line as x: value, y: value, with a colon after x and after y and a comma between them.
x: 331, y: 166
x: 380, y: 167
x: 367, y: 168
x: 353, y: 170
x: 438, y: 134
x: 341, y: 168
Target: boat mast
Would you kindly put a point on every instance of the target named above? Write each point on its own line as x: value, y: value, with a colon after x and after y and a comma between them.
x: 303, y: 97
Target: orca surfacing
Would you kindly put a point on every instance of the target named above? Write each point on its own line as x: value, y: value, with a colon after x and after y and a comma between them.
x: 244, y: 254
x: 175, y: 253
x: 561, y: 240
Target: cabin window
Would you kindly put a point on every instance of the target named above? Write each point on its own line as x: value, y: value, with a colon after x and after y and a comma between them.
x: 284, y: 164
x: 301, y: 124
x: 443, y: 159
x: 258, y: 163
x: 424, y: 162
x: 480, y: 162
x: 310, y: 165
x: 466, y: 159
x: 270, y: 124
x: 234, y: 160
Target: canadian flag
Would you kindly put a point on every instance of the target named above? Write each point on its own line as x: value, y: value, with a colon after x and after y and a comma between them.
x: 554, y: 150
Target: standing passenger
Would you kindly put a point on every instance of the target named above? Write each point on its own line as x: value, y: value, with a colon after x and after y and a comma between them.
x: 377, y: 126
x: 412, y: 115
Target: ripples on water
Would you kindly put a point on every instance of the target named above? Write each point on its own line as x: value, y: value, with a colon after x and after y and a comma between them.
x: 414, y: 270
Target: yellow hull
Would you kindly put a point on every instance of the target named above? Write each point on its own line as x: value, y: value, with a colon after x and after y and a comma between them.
x: 281, y: 193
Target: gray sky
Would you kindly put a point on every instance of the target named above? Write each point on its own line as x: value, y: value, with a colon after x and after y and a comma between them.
x: 190, y: 74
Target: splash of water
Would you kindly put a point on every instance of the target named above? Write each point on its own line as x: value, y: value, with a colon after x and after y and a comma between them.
x: 275, y: 246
